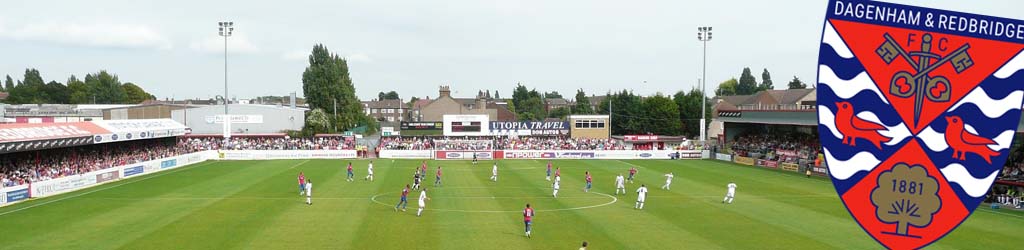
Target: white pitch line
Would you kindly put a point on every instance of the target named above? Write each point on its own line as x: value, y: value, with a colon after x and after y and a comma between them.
x: 105, y: 188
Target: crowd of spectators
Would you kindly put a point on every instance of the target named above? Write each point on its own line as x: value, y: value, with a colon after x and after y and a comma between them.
x: 20, y: 168
x: 464, y: 143
x: 268, y: 143
x: 1014, y: 168
x: 776, y: 146
x: 405, y: 143
x: 556, y: 143
x: 497, y: 143
x: 1010, y: 196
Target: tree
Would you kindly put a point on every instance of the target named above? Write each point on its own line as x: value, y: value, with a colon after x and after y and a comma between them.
x: 316, y: 122
x: 552, y: 94
x: 496, y: 95
x: 325, y: 82
x: 78, y: 92
x: 512, y: 107
x: 9, y: 84
x: 412, y: 101
x: 626, y: 112
x: 660, y: 115
x: 906, y: 196
x: 797, y: 84
x: 766, y: 81
x: 747, y: 84
x: 727, y: 88
x: 136, y: 94
x: 32, y: 89
x: 582, y: 105
x: 689, y: 111
x: 392, y: 95
x: 560, y: 113
x: 57, y: 93
x: 106, y: 88
x: 529, y: 104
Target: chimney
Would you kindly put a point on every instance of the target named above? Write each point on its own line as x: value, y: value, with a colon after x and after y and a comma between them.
x: 291, y: 100
x: 445, y: 91
x: 481, y: 103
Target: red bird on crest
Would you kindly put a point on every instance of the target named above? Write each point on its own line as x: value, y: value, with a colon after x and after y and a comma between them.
x: 852, y: 127
x: 963, y: 141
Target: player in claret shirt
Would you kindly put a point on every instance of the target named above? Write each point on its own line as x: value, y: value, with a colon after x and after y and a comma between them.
x: 528, y: 218
x: 632, y: 172
x: 589, y: 180
x: 549, y: 172
x: 302, y: 183
x: 404, y: 200
x: 351, y: 175
x: 437, y: 180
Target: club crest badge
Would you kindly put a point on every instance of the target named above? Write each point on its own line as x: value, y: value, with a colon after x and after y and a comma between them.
x: 917, y: 109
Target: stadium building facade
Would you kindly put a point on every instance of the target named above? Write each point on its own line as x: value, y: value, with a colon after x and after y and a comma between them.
x: 246, y: 119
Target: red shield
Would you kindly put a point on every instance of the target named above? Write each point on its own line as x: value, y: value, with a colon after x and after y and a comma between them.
x: 917, y: 110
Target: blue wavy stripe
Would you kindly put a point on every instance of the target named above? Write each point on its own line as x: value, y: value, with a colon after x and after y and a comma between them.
x: 863, y: 101
x: 986, y: 127
x: 1000, y: 88
x: 966, y: 199
x: 844, y: 68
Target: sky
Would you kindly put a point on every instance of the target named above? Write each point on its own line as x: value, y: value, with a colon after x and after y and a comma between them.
x: 172, y: 49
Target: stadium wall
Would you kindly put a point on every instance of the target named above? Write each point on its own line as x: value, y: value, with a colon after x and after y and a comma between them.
x: 283, y: 154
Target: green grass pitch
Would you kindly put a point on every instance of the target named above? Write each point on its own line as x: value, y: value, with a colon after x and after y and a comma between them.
x: 256, y: 205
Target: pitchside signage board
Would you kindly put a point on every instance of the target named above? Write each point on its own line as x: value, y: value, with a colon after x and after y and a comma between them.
x: 917, y: 111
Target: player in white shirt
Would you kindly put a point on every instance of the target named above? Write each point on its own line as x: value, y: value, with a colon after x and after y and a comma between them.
x: 369, y: 172
x: 668, y: 181
x: 620, y: 184
x: 494, y: 172
x: 309, y: 192
x: 555, y: 186
x: 423, y: 201
x: 730, y: 194
x: 641, y: 196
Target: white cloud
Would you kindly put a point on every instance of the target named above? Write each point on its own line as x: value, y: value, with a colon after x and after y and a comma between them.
x: 104, y: 35
x: 358, y: 57
x: 296, y: 55
x: 237, y: 44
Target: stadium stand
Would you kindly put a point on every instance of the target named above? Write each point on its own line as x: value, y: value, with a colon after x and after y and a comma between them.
x: 776, y: 147
x: 268, y: 143
x: 498, y: 143
x: 557, y: 143
x: 23, y: 167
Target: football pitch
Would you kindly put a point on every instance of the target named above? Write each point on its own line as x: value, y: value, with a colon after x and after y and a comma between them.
x: 256, y: 205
